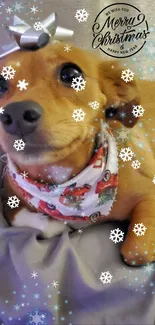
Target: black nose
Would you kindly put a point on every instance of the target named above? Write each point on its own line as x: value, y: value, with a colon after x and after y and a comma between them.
x: 21, y: 118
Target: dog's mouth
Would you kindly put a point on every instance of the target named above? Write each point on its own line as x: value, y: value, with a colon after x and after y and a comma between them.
x: 40, y: 153
x: 44, y: 147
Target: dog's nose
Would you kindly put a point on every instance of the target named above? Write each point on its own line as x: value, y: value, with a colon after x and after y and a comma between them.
x: 21, y: 118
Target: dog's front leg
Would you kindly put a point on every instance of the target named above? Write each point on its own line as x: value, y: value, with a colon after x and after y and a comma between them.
x: 139, y: 249
x: 48, y: 226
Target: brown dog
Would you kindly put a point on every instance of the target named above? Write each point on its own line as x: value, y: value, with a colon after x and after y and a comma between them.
x: 54, y: 139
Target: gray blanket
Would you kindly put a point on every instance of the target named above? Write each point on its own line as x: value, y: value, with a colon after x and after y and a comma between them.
x: 57, y: 280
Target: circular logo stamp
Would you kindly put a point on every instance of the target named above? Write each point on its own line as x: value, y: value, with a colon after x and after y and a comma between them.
x: 120, y: 30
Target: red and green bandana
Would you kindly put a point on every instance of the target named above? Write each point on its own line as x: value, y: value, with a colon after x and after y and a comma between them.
x: 89, y: 196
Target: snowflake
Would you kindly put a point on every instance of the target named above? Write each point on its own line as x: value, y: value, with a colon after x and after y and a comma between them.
x: 19, y: 145
x: 55, y: 284
x: 17, y: 307
x: 138, y: 111
x: 1, y: 110
x: 148, y: 268
x: 78, y: 83
x: 34, y: 9
x: 34, y: 275
x: 116, y: 235
x: 24, y: 174
x: 67, y: 48
x: 80, y: 231
x: 139, y: 229
x: 18, y: 7
x: 106, y: 277
x: 122, y: 135
x: 81, y: 15
x: 18, y: 64
x: 13, y: 202
x: 38, y: 25
x: 36, y: 296
x: 36, y: 317
x: 94, y: 104
x: 8, y: 72
x: 122, y: 114
x: 78, y: 115
x: 9, y: 10
x: 153, y: 181
x: 10, y: 318
x: 56, y: 307
x: 136, y: 164
x: 127, y: 75
x: 126, y: 154
x: 22, y: 84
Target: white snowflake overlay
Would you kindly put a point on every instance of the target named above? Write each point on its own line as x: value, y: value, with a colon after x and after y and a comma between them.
x: 106, y: 277
x: 126, y: 154
x: 1, y: 110
x: 81, y: 15
x: 116, y: 235
x: 153, y: 181
x: 24, y: 175
x: 13, y: 202
x: 138, y: 111
x: 67, y: 48
x: 19, y: 145
x: 9, y: 10
x: 8, y: 72
x: 37, y: 318
x: 55, y: 284
x: 139, y: 229
x: 80, y: 231
x: 34, y: 274
x: 22, y: 84
x: 38, y: 25
x: 136, y: 164
x: 122, y: 135
x: 34, y: 9
x: 18, y: 64
x: 94, y: 104
x: 127, y: 75
x: 78, y: 115
x: 78, y: 83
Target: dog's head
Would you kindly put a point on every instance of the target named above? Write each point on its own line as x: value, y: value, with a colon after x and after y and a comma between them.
x: 42, y: 114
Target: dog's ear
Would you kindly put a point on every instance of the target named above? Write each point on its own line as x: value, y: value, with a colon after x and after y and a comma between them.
x: 121, y: 96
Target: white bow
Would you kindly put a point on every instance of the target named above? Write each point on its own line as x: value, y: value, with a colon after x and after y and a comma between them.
x: 27, y: 37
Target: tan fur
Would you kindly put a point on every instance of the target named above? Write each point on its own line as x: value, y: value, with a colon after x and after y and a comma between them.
x: 70, y: 143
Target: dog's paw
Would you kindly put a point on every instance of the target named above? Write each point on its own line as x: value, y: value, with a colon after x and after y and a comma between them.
x: 49, y: 227
x: 137, y: 251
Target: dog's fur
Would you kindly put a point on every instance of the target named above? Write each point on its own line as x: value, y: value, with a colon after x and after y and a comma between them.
x: 69, y: 144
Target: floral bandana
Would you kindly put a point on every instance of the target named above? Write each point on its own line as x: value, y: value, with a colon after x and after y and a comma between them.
x: 89, y: 196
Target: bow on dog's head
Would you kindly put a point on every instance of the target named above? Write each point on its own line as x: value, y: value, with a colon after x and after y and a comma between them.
x: 25, y: 36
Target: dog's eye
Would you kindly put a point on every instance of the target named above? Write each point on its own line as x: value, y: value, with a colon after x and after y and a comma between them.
x: 70, y: 71
x: 3, y: 85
